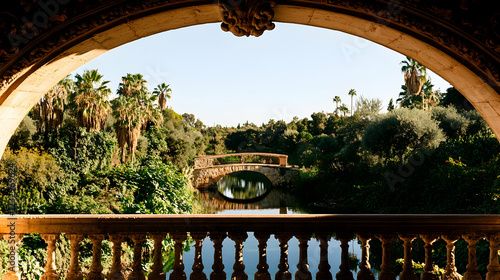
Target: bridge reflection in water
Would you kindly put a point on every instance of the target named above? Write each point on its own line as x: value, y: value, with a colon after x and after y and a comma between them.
x: 218, y: 228
x: 212, y: 201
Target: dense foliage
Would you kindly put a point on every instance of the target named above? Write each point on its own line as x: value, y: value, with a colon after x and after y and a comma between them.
x: 132, y: 155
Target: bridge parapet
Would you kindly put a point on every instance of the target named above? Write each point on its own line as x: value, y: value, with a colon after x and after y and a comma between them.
x: 208, y: 161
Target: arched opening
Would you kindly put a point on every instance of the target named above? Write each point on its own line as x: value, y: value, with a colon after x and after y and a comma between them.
x: 32, y: 81
x: 26, y: 88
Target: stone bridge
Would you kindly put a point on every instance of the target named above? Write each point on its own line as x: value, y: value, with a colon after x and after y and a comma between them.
x: 208, y: 170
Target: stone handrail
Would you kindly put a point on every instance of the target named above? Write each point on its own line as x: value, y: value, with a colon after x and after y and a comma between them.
x: 207, y: 160
x: 386, y: 228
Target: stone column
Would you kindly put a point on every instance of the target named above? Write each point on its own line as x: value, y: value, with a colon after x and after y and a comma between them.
x: 323, y: 266
x: 238, y: 267
x: 407, y: 273
x: 364, y: 266
x: 472, y: 269
x: 218, y: 267
x: 345, y: 271
x: 74, y: 271
x: 178, y: 268
x: 116, y: 267
x: 50, y: 266
x: 493, y: 266
x: 13, y: 264
x: 96, y: 267
x: 303, y: 272
x: 429, y: 266
x: 451, y: 270
x: 262, y: 267
x: 198, y: 273
x: 137, y: 273
x: 386, y: 267
x: 283, y: 273
x: 157, y: 268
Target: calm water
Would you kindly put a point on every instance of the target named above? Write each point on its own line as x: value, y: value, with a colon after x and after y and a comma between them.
x: 247, y: 193
x: 244, y: 186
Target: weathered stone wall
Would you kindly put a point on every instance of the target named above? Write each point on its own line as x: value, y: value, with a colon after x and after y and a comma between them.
x: 279, y: 176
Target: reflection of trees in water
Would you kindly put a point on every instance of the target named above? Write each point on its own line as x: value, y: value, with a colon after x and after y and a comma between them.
x: 211, y: 201
x: 244, y: 185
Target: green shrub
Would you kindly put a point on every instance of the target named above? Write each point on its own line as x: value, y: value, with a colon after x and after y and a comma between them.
x: 453, y: 124
x: 401, y: 131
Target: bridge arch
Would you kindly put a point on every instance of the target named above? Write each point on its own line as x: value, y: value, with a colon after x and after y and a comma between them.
x: 206, y: 173
x: 458, y: 40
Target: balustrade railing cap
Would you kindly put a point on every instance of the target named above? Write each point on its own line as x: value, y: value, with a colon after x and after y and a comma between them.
x: 372, y: 224
x: 241, y: 154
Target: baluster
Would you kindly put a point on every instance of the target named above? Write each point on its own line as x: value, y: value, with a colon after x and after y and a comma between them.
x: 303, y: 272
x: 137, y: 273
x: 345, y: 271
x: 472, y: 269
x: 13, y: 264
x: 428, y: 267
x: 262, y: 267
x: 116, y: 268
x: 96, y: 267
x: 218, y: 267
x: 238, y: 267
x: 407, y: 273
x: 157, y: 268
x: 364, y: 266
x: 386, y: 267
x: 283, y: 273
x: 493, y: 266
x: 323, y: 266
x: 74, y: 271
x: 178, y: 268
x: 451, y: 270
x: 50, y: 266
x: 198, y: 273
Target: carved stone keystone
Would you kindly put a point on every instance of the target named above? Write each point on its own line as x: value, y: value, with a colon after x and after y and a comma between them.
x: 247, y: 17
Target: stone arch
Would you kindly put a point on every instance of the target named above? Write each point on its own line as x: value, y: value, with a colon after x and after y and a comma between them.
x: 42, y: 42
x: 278, y: 176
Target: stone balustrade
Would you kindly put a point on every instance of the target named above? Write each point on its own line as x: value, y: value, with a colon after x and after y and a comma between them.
x: 116, y: 228
x: 208, y: 161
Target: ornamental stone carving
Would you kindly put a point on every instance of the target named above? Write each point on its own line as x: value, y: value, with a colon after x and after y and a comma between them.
x: 247, y: 17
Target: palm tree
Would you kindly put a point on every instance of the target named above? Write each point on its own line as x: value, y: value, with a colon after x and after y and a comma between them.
x: 163, y: 92
x: 343, y: 108
x: 131, y: 84
x: 406, y: 100
x: 336, y: 99
x: 49, y: 111
x: 90, y: 100
x: 415, y: 75
x: 134, y: 107
x: 431, y: 97
x: 352, y: 93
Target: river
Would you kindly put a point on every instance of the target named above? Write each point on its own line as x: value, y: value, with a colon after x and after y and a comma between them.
x: 246, y: 193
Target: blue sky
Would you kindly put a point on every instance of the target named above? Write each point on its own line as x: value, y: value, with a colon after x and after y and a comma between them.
x: 293, y: 70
